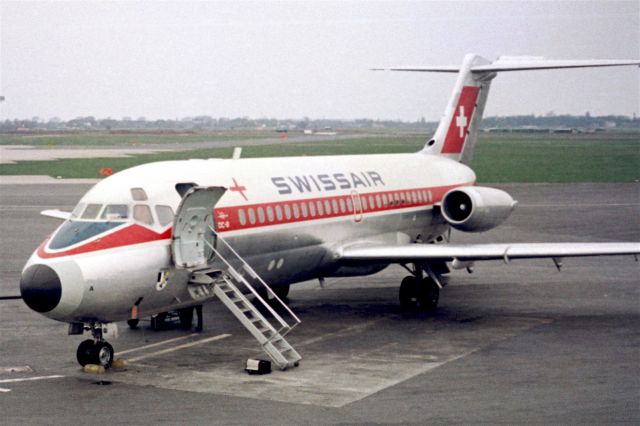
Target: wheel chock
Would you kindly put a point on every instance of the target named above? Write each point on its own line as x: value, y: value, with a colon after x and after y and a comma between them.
x: 119, y: 364
x: 93, y: 369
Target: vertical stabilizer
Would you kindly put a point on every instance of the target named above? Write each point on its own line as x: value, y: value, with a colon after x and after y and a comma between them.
x: 457, y: 132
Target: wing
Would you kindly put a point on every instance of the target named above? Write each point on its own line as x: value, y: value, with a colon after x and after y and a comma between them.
x: 56, y: 214
x: 475, y: 252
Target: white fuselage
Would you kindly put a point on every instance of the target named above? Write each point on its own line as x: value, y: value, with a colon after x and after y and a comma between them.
x: 285, y: 216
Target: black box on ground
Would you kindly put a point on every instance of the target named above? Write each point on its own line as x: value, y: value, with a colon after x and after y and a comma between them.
x: 258, y: 366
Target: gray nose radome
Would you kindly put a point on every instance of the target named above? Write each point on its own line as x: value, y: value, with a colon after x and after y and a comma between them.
x: 40, y: 288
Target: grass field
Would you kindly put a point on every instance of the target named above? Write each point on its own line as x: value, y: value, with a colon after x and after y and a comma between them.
x: 125, y: 138
x: 611, y: 157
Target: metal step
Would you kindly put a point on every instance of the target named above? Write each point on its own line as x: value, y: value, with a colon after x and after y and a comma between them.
x: 225, y: 275
x: 273, y: 342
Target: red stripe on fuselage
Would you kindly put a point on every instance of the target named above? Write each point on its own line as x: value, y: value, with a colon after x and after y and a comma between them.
x: 229, y: 218
x: 136, y: 234
x: 129, y: 235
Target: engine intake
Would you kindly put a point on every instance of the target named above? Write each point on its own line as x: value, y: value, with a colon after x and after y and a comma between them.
x: 476, y: 208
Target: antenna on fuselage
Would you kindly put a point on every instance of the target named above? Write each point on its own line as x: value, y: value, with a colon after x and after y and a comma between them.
x: 237, y: 152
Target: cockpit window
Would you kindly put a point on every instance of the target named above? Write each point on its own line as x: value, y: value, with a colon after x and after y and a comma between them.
x: 91, y: 212
x: 72, y: 232
x: 78, y: 210
x: 115, y: 212
x: 142, y: 213
x: 139, y: 194
x: 165, y: 215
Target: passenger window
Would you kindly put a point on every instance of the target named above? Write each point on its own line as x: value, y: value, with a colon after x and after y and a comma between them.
x: 252, y: 216
x: 327, y: 206
x: 138, y: 194
x: 165, y: 215
x: 363, y: 200
x: 385, y: 202
x: 296, y: 211
x: 270, y: 213
x: 287, y: 211
x: 279, y: 213
x: 343, y: 207
x: 378, y: 201
x: 303, y: 206
x: 260, y: 214
x: 242, y: 217
x: 312, y: 209
x: 142, y: 213
x: 334, y: 204
x: 320, y: 208
x: 371, y: 202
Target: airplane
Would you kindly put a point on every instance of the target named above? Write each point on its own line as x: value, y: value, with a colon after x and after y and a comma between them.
x: 171, y: 235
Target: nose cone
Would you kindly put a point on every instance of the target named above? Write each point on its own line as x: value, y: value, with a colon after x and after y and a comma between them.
x: 40, y: 288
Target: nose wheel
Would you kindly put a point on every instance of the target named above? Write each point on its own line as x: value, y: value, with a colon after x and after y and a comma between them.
x: 95, y: 351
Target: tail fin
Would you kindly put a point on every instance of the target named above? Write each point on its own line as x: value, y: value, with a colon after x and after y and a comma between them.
x: 458, y: 130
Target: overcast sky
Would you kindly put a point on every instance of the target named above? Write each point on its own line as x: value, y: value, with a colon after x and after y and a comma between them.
x: 311, y: 58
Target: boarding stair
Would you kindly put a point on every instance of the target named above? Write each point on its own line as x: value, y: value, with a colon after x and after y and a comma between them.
x: 232, y: 281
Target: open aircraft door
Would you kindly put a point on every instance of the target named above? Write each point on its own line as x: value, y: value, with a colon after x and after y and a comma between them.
x: 192, y: 227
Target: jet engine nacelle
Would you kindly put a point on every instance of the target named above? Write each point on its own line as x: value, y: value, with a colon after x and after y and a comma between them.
x: 476, y: 208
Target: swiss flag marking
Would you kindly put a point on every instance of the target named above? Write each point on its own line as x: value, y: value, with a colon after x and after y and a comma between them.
x: 457, y: 133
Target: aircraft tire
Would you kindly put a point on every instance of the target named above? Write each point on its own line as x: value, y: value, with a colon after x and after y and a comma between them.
x: 428, y: 294
x: 408, y: 293
x: 102, y: 354
x: 282, y: 291
x: 133, y: 323
x: 84, y: 352
x: 186, y: 318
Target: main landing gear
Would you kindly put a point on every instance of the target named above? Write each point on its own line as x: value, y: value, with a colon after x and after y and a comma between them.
x: 97, y: 351
x: 418, y: 292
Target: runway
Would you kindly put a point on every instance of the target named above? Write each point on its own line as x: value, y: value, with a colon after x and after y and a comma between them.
x: 510, y: 343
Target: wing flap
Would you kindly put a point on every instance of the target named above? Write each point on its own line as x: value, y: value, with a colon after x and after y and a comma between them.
x: 476, y: 252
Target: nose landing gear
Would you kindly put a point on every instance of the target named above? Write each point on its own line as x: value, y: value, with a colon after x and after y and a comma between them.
x: 97, y: 351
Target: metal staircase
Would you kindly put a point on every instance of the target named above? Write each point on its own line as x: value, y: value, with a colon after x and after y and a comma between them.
x: 230, y: 283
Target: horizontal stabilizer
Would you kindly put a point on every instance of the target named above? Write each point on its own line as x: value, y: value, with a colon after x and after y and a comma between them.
x: 474, y: 252
x: 524, y: 63
x: 56, y: 214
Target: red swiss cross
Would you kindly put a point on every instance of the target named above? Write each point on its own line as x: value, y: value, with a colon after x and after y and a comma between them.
x: 461, y: 120
x: 237, y: 188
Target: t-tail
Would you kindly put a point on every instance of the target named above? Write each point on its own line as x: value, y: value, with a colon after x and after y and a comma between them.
x: 457, y: 132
